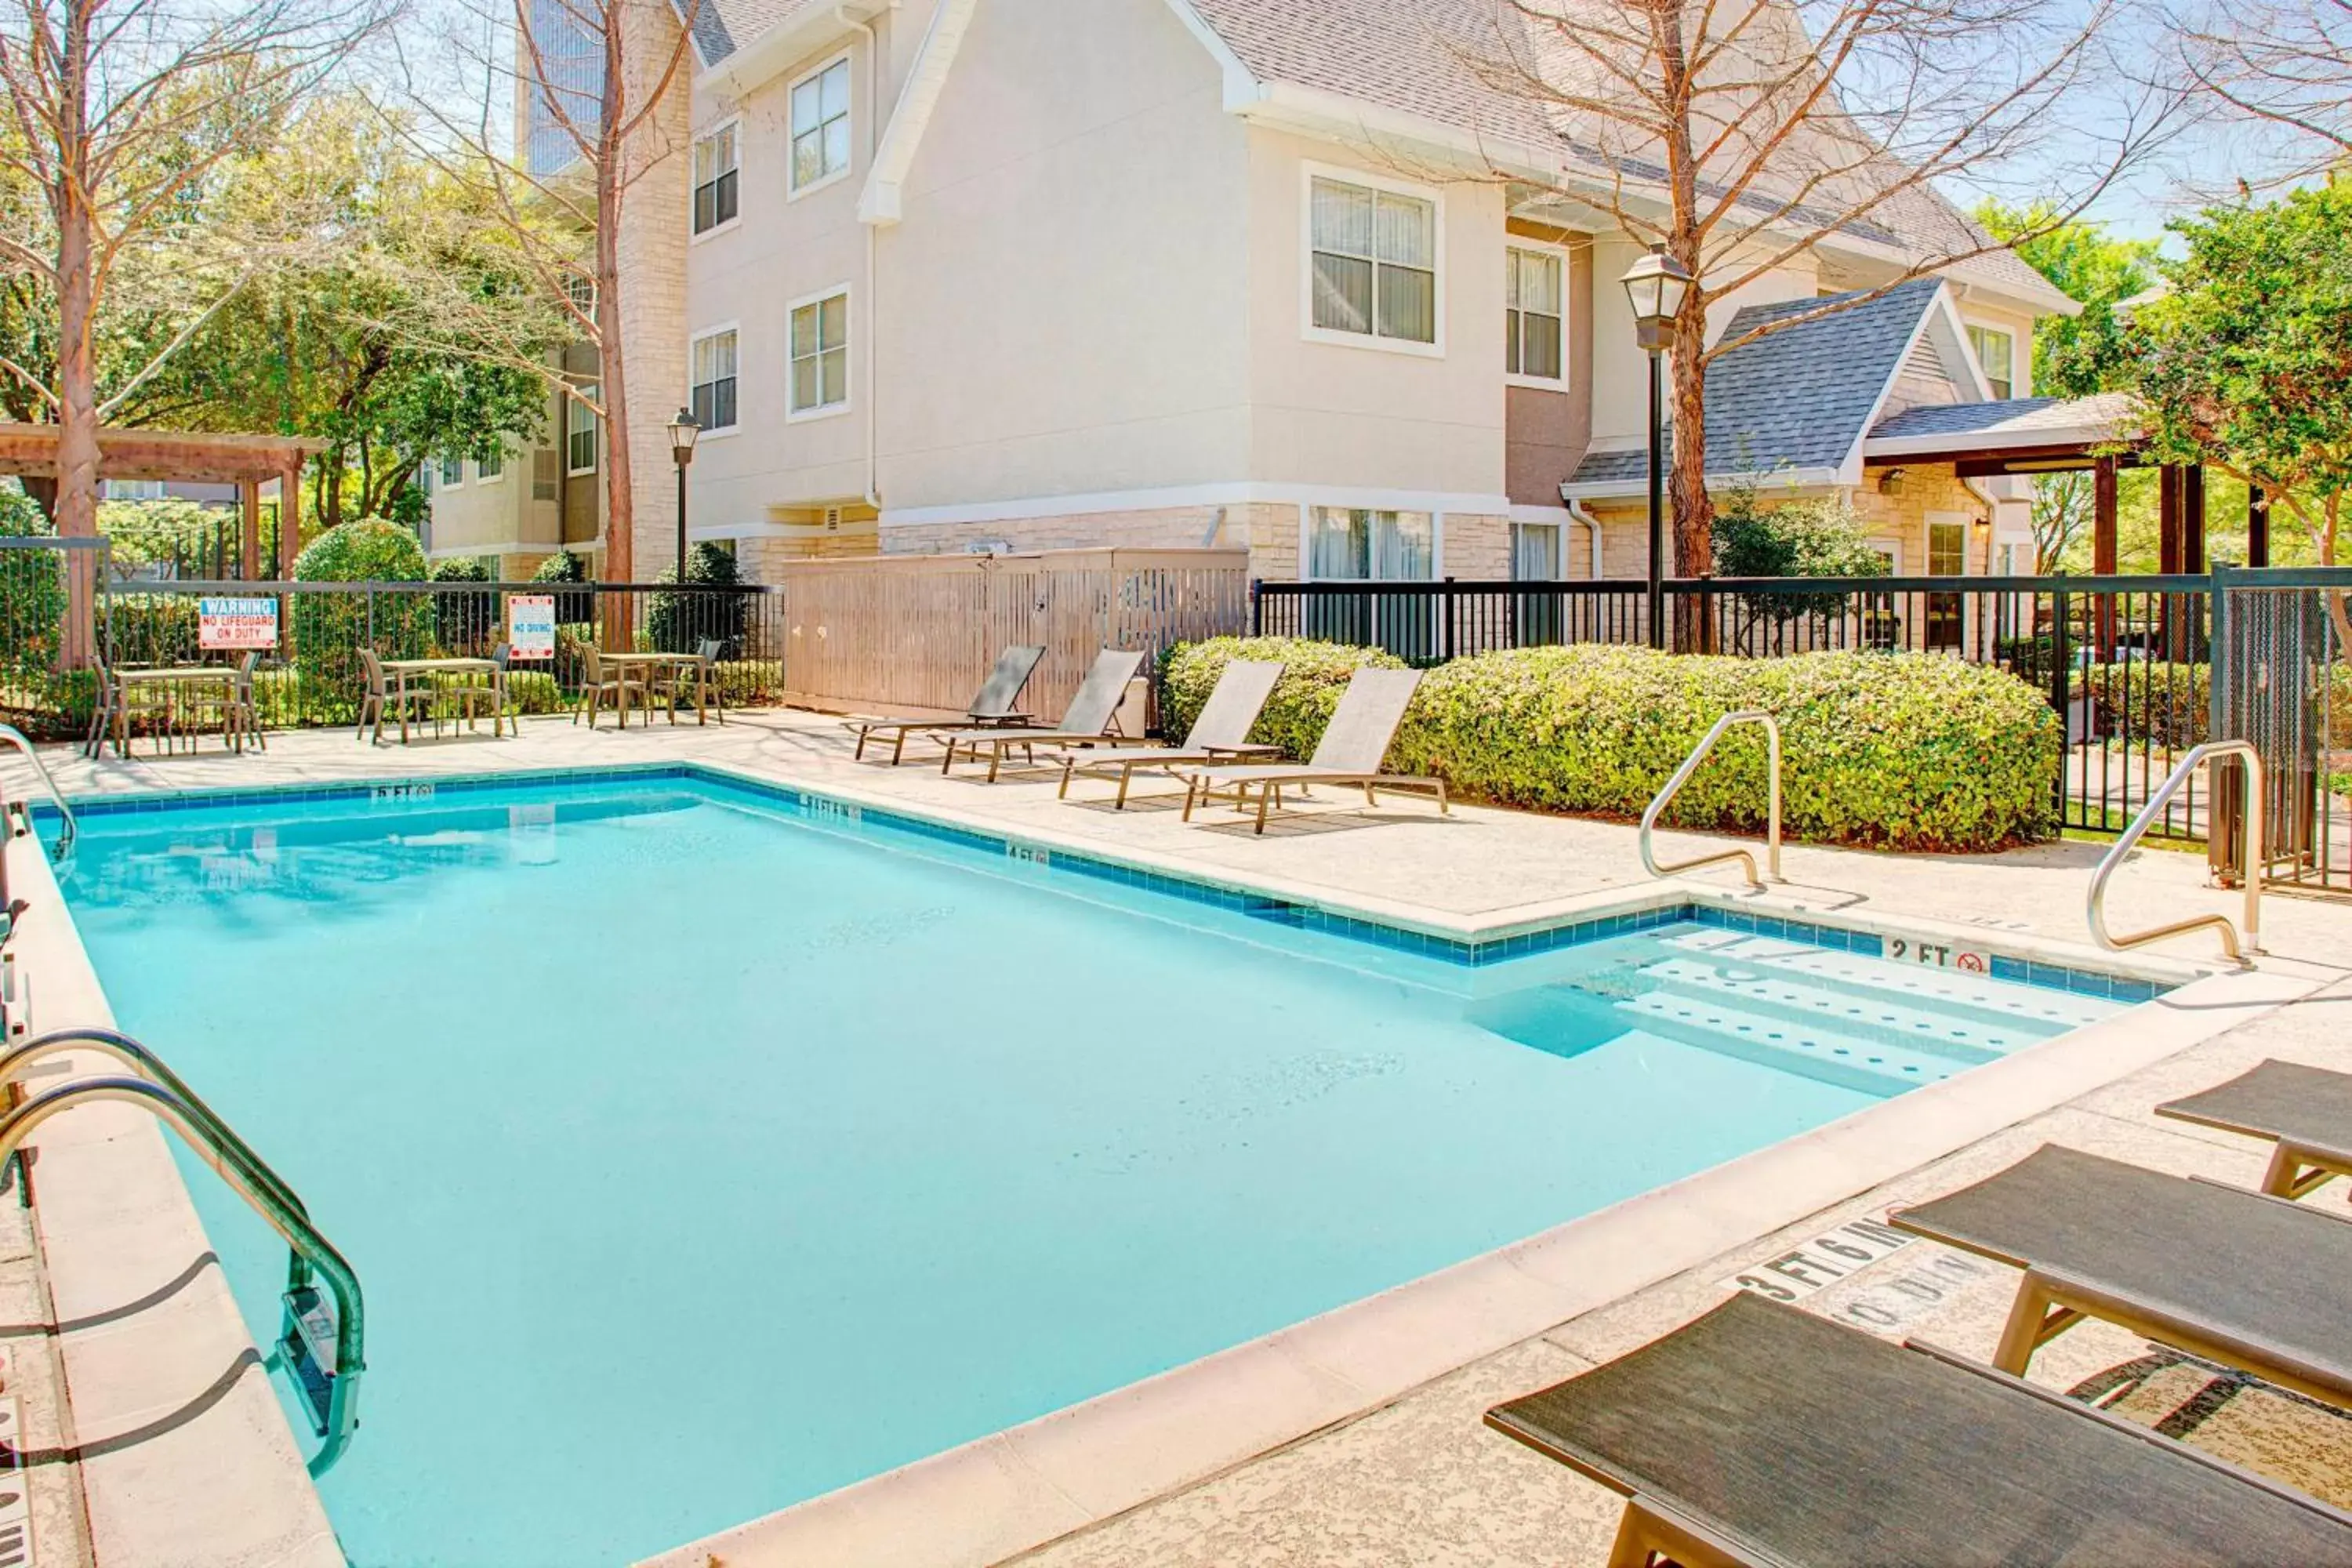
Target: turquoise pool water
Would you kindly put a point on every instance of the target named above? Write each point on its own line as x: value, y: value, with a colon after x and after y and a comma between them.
x: 700, y: 1153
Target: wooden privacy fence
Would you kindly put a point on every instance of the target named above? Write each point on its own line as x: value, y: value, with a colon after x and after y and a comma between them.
x: 921, y: 631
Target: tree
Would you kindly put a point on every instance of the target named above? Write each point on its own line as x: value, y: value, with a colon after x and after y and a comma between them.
x: 119, y: 111
x: 1742, y: 136
x: 592, y: 77
x: 1800, y: 538
x: 2244, y: 365
x: 2076, y: 357
x: 2064, y: 504
x: 2284, y: 67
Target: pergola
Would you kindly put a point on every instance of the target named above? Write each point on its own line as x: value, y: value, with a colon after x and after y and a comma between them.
x: 2049, y: 435
x: 246, y: 461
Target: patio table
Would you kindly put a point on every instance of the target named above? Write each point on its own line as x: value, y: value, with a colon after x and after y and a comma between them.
x: 646, y: 663
x: 172, y: 681
x: 440, y: 674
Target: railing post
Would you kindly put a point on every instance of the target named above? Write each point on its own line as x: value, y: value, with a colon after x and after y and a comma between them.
x: 2062, y: 696
x: 1446, y: 608
x: 1257, y: 607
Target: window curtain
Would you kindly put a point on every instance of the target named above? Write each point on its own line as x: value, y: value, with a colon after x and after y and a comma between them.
x: 1404, y: 546
x: 1338, y: 547
x: 1343, y: 249
x: 1535, y: 552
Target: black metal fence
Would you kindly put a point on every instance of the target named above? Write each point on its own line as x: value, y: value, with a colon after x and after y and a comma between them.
x: 2128, y: 661
x: 61, y: 613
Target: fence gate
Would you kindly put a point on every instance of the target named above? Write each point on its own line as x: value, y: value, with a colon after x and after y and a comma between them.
x: 2282, y: 680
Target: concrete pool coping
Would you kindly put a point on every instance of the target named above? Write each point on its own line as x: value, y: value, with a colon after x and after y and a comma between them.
x: 1031, y: 1484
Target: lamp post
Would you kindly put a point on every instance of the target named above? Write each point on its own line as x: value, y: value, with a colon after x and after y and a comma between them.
x: 683, y: 430
x: 1656, y: 284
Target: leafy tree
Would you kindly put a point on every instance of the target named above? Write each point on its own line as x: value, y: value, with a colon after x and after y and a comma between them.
x: 2088, y: 353
x: 570, y: 609
x: 2243, y: 365
x: 677, y: 623
x: 1805, y: 538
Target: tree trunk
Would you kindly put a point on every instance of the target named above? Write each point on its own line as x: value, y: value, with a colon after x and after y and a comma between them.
x: 1692, y: 510
x: 77, y: 493
x: 612, y: 183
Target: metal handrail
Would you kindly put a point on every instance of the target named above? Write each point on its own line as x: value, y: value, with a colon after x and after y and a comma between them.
x: 260, y: 1187
x: 1682, y: 775
x: 15, y: 737
x: 2256, y: 799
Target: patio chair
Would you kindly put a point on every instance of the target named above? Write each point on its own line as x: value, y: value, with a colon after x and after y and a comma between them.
x: 596, y: 689
x: 2252, y: 1282
x: 1092, y: 713
x: 244, y: 707
x: 119, y: 708
x: 2305, y: 1111
x: 1353, y: 747
x: 382, y: 696
x: 496, y: 699
x: 695, y: 680
x: 994, y: 703
x: 1221, y: 732
x: 1763, y: 1435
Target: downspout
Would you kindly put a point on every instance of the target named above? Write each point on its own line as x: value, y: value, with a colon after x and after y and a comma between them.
x: 872, y: 306
x: 1592, y: 526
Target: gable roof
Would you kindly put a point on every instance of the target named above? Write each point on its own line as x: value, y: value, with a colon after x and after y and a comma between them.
x: 1798, y: 401
x: 722, y: 27
x: 2020, y: 422
x: 1423, y: 59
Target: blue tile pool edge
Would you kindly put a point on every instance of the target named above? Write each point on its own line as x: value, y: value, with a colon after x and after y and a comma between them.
x: 817, y: 806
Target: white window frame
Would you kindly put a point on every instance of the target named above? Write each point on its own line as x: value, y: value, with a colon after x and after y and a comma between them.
x: 793, y: 189
x: 720, y: 432
x: 695, y: 236
x: 1991, y: 331
x: 1558, y: 253
x: 496, y: 477
x: 1307, y: 511
x: 446, y: 465
x: 595, y: 429
x: 849, y: 358
x: 1308, y: 173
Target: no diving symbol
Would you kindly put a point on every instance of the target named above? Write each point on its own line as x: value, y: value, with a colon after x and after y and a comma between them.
x: 1974, y: 963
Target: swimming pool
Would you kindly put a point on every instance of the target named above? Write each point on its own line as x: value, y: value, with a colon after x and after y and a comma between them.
x: 703, y: 1147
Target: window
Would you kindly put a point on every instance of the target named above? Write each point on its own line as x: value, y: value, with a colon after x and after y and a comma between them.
x: 425, y: 476
x: 1534, y: 313
x: 821, y: 126
x: 491, y: 466
x: 821, y: 355
x: 1947, y: 557
x: 453, y: 472
x: 713, y: 399
x: 580, y: 433
x: 1996, y: 351
x: 1373, y: 261
x: 1535, y: 551
x: 714, y: 180
x: 1357, y: 543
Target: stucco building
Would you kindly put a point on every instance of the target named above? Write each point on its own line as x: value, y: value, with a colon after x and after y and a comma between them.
x: 967, y: 275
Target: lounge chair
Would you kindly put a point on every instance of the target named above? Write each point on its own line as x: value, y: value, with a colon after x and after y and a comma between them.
x: 1220, y: 734
x: 1092, y: 715
x: 1353, y: 747
x: 2306, y: 1112
x: 2250, y: 1281
x: 994, y: 703
x: 1764, y: 1435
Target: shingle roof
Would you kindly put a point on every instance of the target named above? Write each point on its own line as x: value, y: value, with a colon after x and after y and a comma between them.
x: 1452, y: 61
x: 2019, y: 419
x: 1797, y: 398
x: 722, y: 27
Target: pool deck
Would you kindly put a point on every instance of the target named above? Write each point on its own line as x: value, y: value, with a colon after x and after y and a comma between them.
x: 1356, y: 1438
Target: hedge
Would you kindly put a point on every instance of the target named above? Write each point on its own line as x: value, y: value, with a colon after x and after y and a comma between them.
x: 1895, y: 750
x: 2169, y: 705
x: 1313, y: 676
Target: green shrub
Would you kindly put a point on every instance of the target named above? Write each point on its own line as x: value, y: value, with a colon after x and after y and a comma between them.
x: 367, y: 550
x: 2170, y: 705
x: 32, y: 588
x: 464, y: 624
x: 678, y: 623
x: 1898, y: 751
x: 328, y: 627
x: 570, y: 609
x: 1313, y: 676
x: 1811, y: 538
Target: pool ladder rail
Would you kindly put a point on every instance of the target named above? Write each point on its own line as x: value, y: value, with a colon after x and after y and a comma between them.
x: 321, y: 1339
x: 71, y: 829
x: 2235, y: 946
x: 1691, y: 763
